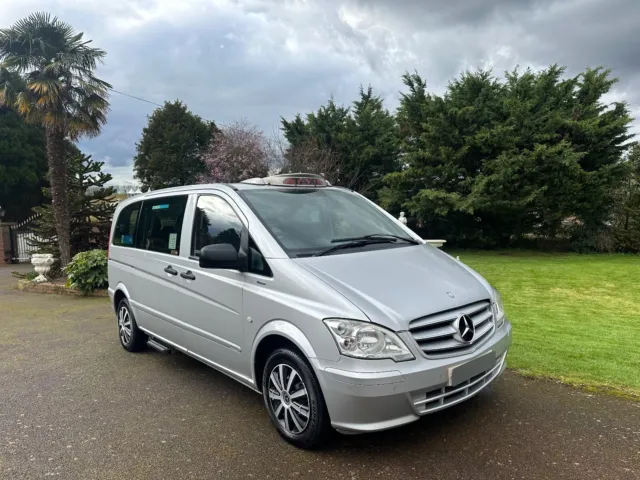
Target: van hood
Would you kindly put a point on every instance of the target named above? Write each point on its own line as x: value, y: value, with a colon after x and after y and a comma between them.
x: 394, y: 286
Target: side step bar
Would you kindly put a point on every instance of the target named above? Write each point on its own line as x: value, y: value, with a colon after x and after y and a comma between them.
x: 159, y: 346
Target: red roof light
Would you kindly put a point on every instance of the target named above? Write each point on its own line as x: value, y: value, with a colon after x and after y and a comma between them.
x: 291, y: 179
x: 303, y: 181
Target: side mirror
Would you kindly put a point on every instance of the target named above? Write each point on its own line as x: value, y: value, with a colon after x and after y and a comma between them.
x: 219, y: 255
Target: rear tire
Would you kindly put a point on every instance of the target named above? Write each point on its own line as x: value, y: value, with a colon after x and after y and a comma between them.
x: 294, y: 399
x: 131, y: 337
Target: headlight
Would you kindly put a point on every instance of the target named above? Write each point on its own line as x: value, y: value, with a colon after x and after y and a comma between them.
x: 498, y: 307
x: 365, y: 340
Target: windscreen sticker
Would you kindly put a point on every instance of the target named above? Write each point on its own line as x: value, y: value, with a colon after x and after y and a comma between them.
x: 126, y: 239
x: 160, y: 207
x: 173, y: 238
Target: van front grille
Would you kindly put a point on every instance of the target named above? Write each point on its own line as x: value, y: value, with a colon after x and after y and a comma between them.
x: 437, y: 335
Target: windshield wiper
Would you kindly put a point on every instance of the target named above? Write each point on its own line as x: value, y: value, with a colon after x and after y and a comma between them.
x: 357, y: 243
x: 376, y: 235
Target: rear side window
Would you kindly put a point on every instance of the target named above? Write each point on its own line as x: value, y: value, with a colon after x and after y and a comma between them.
x: 160, y: 226
x: 215, y: 222
x: 124, y: 233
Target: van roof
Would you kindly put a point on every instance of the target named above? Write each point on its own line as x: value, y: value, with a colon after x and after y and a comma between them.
x: 289, y: 180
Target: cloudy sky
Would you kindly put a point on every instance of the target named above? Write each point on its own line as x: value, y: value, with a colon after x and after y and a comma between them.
x: 262, y: 59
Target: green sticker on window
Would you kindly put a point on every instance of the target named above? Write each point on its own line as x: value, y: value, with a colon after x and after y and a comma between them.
x: 173, y: 238
x: 160, y: 207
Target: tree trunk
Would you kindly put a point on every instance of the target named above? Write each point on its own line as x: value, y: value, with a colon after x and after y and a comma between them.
x: 59, y: 191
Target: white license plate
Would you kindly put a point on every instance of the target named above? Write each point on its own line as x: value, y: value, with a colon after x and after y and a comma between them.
x: 465, y: 371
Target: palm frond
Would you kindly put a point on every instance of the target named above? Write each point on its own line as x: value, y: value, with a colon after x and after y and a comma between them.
x: 26, y: 105
x: 82, y: 57
x: 90, y: 101
x: 46, y: 88
x: 97, y: 103
x: 55, y: 118
x: 86, y: 75
x: 58, y: 67
x: 11, y: 84
x: 99, y: 84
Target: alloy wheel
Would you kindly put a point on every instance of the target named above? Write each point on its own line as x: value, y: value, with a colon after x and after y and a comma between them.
x: 289, y: 399
x: 124, y: 325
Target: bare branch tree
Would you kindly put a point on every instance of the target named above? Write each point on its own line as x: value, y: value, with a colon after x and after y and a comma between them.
x: 309, y: 157
x: 277, y: 148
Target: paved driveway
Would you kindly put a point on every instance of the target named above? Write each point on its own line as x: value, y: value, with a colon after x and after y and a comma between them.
x: 75, y: 405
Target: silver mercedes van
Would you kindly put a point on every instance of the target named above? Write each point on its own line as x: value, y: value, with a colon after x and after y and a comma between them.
x: 338, y: 314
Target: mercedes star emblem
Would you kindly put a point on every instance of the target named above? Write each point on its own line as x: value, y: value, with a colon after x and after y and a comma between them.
x: 465, y: 328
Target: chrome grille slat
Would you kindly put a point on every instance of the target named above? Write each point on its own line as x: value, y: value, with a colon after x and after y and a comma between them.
x: 483, y: 330
x: 448, y: 315
x: 437, y: 336
x: 445, y: 331
x: 443, y: 344
x: 481, y: 318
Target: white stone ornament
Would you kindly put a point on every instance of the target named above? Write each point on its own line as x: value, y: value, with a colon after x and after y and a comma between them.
x: 42, y: 263
x: 402, y: 218
x: 436, y: 243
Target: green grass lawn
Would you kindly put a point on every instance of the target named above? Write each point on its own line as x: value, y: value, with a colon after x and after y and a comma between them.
x: 576, y: 318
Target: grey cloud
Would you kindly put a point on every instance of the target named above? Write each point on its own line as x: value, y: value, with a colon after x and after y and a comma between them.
x: 466, y: 12
x: 265, y: 80
x: 597, y: 33
x: 283, y: 57
x: 220, y: 84
x: 504, y: 33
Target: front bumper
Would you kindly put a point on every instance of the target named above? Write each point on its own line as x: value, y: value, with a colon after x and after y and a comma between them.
x: 373, y: 395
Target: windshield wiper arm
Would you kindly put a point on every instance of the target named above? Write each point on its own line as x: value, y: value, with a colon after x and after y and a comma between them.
x: 376, y: 235
x: 357, y: 243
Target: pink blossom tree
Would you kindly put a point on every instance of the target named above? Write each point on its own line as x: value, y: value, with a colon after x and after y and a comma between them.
x: 236, y: 152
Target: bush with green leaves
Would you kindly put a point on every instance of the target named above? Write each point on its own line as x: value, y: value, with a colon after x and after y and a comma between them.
x: 88, y: 271
x: 30, y: 276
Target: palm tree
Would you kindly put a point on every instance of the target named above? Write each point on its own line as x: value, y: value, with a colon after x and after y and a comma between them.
x: 46, y: 75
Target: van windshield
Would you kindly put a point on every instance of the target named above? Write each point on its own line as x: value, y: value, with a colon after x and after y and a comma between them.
x: 308, y: 221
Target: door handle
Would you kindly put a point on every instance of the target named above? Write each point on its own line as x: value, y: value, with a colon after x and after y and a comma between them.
x: 188, y: 275
x: 170, y: 270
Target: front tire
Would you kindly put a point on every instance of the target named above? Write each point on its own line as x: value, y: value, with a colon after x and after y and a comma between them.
x: 294, y: 399
x: 131, y: 337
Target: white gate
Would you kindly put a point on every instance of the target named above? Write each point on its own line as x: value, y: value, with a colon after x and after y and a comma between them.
x: 22, y: 238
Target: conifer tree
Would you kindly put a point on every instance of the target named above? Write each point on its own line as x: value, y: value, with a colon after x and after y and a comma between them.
x: 91, y: 203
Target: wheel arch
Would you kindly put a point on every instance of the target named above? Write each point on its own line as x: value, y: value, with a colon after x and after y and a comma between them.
x: 273, y: 335
x: 119, y: 293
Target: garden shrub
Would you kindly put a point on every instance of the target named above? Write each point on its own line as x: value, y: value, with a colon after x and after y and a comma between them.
x: 88, y: 271
x: 25, y: 276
